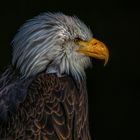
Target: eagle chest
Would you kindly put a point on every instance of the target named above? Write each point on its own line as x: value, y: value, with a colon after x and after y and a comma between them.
x: 54, y: 109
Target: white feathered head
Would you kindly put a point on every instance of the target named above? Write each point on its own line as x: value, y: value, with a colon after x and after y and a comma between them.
x: 55, y: 43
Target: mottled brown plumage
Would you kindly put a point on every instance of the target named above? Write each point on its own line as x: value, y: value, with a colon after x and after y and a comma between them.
x: 55, y: 109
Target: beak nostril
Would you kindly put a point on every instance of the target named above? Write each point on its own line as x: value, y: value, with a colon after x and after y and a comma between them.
x: 95, y: 43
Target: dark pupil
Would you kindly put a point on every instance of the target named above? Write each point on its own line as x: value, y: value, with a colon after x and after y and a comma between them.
x: 77, y: 39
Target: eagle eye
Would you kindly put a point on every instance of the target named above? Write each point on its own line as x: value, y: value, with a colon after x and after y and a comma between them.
x: 77, y: 39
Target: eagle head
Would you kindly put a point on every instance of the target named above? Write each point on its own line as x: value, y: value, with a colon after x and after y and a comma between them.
x: 56, y: 43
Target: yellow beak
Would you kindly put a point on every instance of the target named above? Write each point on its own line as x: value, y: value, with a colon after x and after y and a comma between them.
x: 94, y: 48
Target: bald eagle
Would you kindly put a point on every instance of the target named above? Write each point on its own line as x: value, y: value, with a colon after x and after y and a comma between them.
x: 43, y: 92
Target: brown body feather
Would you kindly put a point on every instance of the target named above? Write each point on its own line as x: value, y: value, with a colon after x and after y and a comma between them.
x: 55, y: 108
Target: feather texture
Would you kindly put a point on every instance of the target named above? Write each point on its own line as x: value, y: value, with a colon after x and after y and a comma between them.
x: 54, y: 109
x: 13, y: 91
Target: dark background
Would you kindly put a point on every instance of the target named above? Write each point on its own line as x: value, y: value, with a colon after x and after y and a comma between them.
x: 114, y: 98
